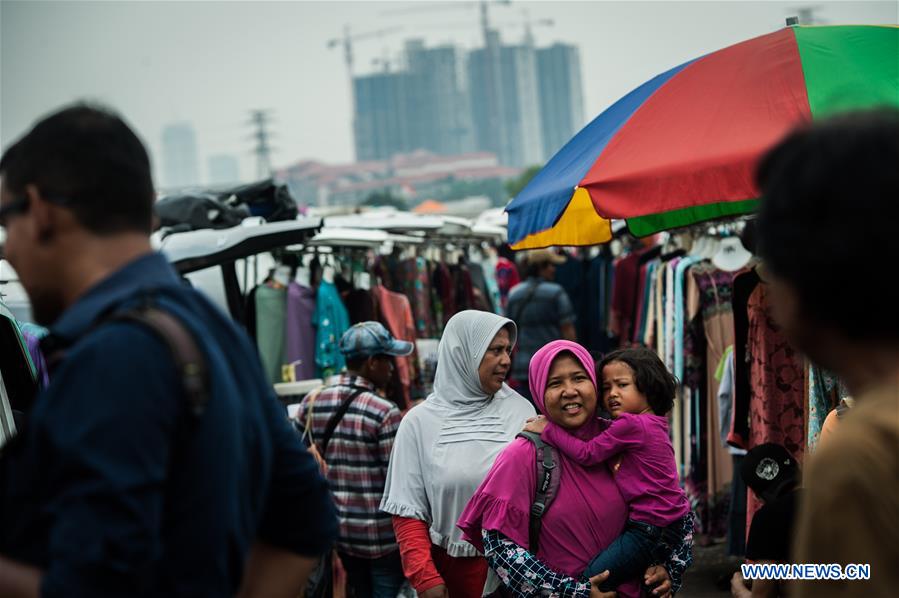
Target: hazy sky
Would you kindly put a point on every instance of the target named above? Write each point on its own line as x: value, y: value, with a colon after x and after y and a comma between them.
x: 210, y: 62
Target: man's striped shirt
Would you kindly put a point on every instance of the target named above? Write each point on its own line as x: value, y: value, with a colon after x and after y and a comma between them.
x: 357, y: 457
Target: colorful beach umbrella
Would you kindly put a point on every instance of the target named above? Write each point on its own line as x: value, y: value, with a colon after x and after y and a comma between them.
x: 682, y: 148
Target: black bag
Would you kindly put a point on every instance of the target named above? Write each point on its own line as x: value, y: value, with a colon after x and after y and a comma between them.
x: 196, y: 211
x: 270, y: 200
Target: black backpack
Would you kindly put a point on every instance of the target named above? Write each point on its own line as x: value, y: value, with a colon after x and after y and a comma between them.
x: 548, y: 478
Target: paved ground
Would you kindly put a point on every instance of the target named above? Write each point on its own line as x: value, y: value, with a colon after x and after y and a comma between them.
x: 710, y: 565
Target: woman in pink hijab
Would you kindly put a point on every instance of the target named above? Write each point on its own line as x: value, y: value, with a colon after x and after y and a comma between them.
x: 587, y: 512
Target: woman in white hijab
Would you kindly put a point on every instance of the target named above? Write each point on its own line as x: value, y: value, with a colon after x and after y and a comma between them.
x: 444, y: 449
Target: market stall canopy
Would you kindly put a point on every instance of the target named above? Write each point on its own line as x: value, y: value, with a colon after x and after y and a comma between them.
x: 683, y: 147
x: 195, y: 250
x: 400, y: 222
x: 350, y: 237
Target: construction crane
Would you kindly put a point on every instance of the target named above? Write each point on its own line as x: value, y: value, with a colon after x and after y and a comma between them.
x: 347, y: 42
x: 485, y: 19
x: 527, y: 23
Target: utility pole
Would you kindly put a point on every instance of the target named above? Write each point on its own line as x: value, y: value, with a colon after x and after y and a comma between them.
x: 260, y: 119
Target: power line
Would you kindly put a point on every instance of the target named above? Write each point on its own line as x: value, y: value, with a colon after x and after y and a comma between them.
x: 260, y: 119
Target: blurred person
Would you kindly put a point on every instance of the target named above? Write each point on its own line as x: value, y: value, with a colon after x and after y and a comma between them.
x: 827, y: 235
x: 772, y: 473
x: 444, y: 448
x: 354, y: 427
x: 542, y: 311
x: 123, y: 481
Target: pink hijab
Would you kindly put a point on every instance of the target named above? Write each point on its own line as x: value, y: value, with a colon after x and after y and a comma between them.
x: 586, y: 514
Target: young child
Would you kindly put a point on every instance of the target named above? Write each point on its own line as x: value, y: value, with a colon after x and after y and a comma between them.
x: 638, y: 391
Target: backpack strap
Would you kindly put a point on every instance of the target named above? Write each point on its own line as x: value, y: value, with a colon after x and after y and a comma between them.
x: 189, y: 360
x: 338, y: 415
x: 545, y: 455
x: 525, y: 302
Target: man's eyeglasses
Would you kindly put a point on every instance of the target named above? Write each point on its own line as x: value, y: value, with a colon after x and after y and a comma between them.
x: 16, y: 206
x: 20, y: 206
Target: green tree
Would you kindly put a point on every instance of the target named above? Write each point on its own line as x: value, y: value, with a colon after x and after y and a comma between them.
x: 515, y: 186
x: 385, y: 198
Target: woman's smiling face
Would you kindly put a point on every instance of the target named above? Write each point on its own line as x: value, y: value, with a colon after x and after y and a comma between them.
x: 570, y: 395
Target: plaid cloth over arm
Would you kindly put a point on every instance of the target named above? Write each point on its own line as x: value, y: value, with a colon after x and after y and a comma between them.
x: 524, y: 575
x: 682, y: 555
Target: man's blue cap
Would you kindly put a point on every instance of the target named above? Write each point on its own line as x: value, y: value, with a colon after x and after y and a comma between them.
x: 366, y: 339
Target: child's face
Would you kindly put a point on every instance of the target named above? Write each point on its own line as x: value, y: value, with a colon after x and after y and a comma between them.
x: 619, y: 390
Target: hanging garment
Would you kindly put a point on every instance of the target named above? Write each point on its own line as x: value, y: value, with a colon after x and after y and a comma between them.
x: 744, y: 285
x: 647, y: 337
x: 480, y: 294
x: 360, y: 305
x: 32, y: 335
x: 670, y: 338
x: 445, y: 286
x: 777, y: 386
x: 463, y: 287
x: 417, y: 288
x: 642, y: 301
x: 396, y: 314
x: 300, y: 332
x: 507, y: 276
x: 331, y: 320
x: 437, y: 307
x: 716, y: 290
x: 824, y: 393
x: 678, y: 299
x: 570, y: 276
x: 271, y: 338
x: 597, y: 293
x: 624, y: 295
x: 776, y: 375
x: 659, y: 336
x: 489, y: 267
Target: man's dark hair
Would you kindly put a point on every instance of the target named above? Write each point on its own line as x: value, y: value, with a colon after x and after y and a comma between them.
x: 828, y: 220
x: 357, y: 363
x: 651, y: 376
x: 535, y: 269
x: 89, y: 157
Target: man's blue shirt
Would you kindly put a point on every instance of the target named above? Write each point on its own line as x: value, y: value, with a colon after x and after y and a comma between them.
x: 115, y: 489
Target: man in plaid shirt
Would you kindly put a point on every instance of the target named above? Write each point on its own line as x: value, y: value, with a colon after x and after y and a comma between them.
x: 357, y: 453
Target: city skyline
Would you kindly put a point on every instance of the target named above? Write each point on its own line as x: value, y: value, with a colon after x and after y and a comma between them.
x: 155, y: 63
x: 518, y: 102
x: 180, y: 157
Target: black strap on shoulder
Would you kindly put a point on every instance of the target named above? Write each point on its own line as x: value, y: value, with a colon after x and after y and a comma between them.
x: 524, y: 302
x: 189, y: 360
x: 338, y: 415
x: 538, y: 507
